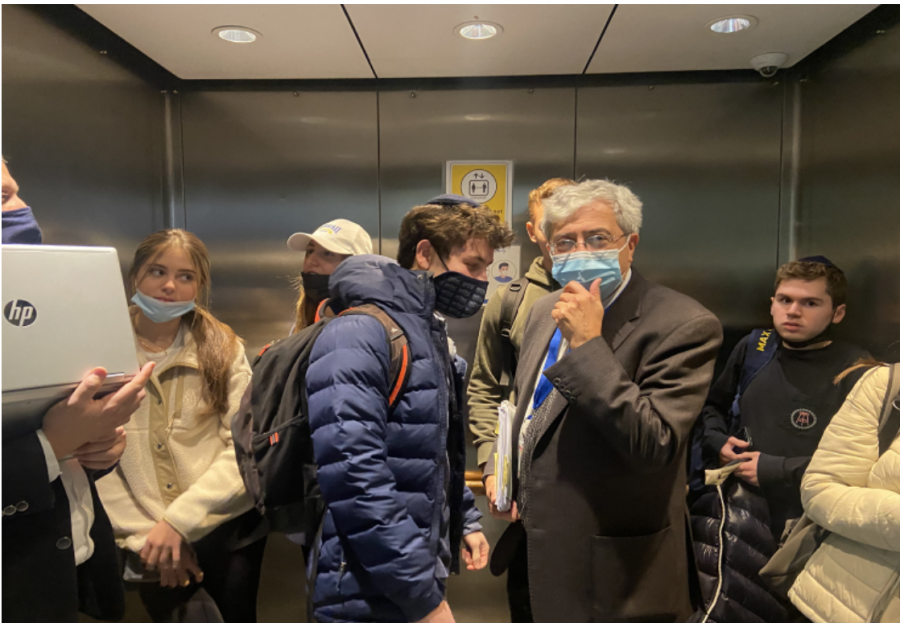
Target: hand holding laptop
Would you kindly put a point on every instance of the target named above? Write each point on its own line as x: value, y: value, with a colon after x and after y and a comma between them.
x: 102, y: 453
x: 82, y: 419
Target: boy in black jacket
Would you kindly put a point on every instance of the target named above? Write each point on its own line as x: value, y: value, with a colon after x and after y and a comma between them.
x: 791, y: 400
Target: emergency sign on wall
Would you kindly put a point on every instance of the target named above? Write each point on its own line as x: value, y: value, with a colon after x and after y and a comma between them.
x: 489, y: 182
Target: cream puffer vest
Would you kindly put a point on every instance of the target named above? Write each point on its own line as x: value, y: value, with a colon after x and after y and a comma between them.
x: 854, y: 576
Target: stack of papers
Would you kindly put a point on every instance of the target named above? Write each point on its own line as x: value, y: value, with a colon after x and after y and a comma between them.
x: 503, y: 458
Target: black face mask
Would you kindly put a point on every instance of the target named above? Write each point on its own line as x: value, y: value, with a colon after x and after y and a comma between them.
x: 824, y: 336
x: 458, y: 295
x: 315, y: 286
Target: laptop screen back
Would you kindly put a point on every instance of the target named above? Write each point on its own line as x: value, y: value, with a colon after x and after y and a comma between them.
x: 64, y: 313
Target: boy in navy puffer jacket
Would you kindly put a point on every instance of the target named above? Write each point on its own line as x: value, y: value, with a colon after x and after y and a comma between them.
x: 397, y: 508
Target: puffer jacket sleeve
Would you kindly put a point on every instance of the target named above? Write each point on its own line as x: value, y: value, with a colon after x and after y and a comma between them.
x: 472, y: 516
x: 835, y: 489
x: 219, y: 494
x: 347, y: 383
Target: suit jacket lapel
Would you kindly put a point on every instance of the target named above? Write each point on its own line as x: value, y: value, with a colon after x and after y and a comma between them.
x: 533, y: 358
x: 618, y: 323
x: 618, y: 320
x: 530, y: 362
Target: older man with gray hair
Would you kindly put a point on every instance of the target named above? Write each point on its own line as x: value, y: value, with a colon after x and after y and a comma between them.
x: 613, y: 372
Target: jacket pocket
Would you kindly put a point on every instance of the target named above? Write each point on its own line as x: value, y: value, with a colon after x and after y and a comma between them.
x: 636, y: 579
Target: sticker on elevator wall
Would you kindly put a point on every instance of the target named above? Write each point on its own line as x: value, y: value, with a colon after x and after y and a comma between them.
x: 506, y: 267
x: 488, y: 182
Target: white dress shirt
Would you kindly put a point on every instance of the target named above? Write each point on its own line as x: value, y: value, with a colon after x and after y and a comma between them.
x: 78, y: 491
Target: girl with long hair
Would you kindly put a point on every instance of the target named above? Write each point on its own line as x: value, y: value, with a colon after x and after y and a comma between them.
x: 176, y: 500
x: 325, y: 249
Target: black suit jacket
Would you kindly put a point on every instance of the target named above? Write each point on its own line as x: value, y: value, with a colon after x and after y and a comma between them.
x: 605, y: 487
x: 40, y: 580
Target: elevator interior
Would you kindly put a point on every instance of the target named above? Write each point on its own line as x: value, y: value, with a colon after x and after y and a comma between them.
x: 738, y: 172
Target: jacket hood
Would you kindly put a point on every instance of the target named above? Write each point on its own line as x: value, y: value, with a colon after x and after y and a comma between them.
x: 381, y: 281
x: 538, y: 274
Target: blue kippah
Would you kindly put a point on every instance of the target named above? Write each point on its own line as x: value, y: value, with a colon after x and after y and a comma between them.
x: 818, y: 259
x: 453, y: 200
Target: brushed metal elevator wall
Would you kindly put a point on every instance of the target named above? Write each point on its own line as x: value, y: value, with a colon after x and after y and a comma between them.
x: 850, y: 185
x: 705, y: 159
x: 261, y: 165
x: 83, y: 137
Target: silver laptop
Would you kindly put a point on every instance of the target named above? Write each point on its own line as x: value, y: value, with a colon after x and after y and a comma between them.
x: 64, y: 313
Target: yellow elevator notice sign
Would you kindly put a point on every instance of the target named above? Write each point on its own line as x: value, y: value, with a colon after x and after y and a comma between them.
x: 489, y: 182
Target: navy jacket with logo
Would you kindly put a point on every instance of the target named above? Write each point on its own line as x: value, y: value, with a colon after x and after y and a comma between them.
x: 382, y: 471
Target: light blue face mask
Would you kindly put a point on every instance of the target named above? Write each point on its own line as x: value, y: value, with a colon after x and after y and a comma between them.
x: 158, y: 311
x: 585, y: 266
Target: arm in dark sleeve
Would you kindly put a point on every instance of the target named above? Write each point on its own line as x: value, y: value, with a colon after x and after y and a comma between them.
x: 781, y: 473
x: 649, y: 419
x: 715, y: 420
x: 25, y: 475
x: 347, y: 384
x: 471, y: 514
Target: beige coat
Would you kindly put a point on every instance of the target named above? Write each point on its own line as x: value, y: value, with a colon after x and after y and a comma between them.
x: 179, y: 464
x: 854, y: 576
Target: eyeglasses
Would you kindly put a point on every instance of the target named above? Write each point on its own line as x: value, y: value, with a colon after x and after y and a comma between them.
x: 597, y: 242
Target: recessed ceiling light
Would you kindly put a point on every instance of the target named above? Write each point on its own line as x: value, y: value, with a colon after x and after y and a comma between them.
x: 236, y: 34
x: 732, y: 24
x: 478, y: 31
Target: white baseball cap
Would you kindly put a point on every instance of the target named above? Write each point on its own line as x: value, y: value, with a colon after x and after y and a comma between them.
x: 338, y: 236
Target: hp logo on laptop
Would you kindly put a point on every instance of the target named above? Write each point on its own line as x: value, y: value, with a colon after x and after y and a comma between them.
x: 20, y: 313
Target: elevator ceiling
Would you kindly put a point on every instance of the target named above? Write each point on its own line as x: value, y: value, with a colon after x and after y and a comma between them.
x: 419, y: 41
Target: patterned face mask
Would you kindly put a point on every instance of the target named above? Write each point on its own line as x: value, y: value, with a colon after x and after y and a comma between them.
x: 458, y: 295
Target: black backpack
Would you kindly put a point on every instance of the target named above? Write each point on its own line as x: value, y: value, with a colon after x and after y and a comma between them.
x: 509, y: 309
x: 272, y: 438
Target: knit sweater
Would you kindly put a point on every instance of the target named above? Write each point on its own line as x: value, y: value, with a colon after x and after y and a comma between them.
x: 179, y: 464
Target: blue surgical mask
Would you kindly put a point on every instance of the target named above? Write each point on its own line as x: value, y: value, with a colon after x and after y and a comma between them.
x: 585, y: 266
x: 20, y: 227
x: 159, y: 311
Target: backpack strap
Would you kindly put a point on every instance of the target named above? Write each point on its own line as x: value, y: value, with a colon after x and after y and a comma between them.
x: 761, y: 349
x: 889, y: 423
x: 398, y: 344
x: 509, y: 309
x: 264, y: 349
x: 322, y: 310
